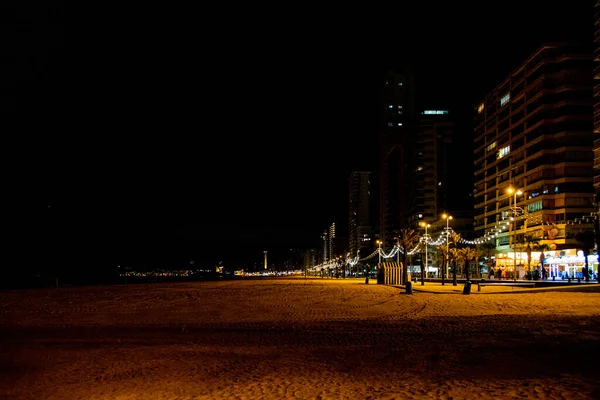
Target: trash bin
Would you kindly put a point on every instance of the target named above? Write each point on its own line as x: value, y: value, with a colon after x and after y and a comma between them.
x: 467, y: 288
x: 409, y: 287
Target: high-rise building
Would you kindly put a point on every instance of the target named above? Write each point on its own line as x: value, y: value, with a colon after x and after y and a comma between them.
x: 360, y: 233
x: 416, y: 156
x: 395, y: 149
x: 331, y: 242
x: 427, y: 176
x: 597, y: 103
x: 533, y: 157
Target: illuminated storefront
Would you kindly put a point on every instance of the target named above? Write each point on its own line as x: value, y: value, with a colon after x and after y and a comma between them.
x: 559, y: 264
x: 566, y: 264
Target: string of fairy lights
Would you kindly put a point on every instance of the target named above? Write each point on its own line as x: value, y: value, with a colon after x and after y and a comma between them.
x: 442, y: 238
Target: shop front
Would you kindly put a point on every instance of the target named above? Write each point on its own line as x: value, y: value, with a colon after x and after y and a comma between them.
x: 506, y: 265
x: 570, y: 264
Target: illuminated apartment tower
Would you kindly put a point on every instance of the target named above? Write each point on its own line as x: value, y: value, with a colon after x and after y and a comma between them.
x: 396, y: 146
x: 597, y: 103
x: 534, y: 133
x: 359, y: 219
x: 426, y: 177
x: 330, y: 241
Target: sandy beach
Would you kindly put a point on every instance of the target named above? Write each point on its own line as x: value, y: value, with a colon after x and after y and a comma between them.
x: 297, y: 338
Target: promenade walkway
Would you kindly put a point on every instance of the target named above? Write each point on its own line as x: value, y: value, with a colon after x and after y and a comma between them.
x: 499, y: 287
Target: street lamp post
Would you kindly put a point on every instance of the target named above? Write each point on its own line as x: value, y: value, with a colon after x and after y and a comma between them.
x: 514, y: 226
x: 447, y: 218
x: 379, y: 250
x: 426, y: 240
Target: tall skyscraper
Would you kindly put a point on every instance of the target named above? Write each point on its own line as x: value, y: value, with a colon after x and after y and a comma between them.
x: 395, y: 149
x: 597, y: 121
x: 597, y: 102
x: 331, y: 241
x: 428, y: 175
x: 533, y: 155
x: 359, y: 219
x: 415, y: 158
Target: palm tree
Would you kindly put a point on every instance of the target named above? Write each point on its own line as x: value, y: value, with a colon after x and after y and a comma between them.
x: 453, y: 255
x: 542, y: 247
x: 466, y: 255
x: 454, y: 238
x: 487, y: 249
x: 529, y: 245
x: 407, y: 240
x: 440, y: 260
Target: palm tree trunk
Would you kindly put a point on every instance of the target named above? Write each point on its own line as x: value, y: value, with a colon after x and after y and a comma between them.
x: 422, y: 272
x: 454, y: 283
x: 442, y: 271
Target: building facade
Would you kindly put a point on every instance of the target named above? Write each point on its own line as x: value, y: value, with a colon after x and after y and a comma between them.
x: 597, y: 103
x: 427, y: 177
x: 534, y: 135
x: 396, y: 149
x: 597, y: 123
x: 360, y: 230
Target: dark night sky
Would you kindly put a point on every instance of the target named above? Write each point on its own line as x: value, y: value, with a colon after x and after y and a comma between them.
x: 173, y: 134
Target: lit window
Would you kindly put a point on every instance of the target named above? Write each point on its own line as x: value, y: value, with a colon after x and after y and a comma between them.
x: 399, y: 106
x: 400, y: 83
x: 505, y: 99
x: 480, y: 108
x: 390, y: 106
x: 503, y: 151
x: 399, y: 123
x: 390, y: 124
x: 435, y: 112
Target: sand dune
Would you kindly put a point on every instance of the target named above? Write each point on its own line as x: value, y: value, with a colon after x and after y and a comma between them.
x: 295, y: 338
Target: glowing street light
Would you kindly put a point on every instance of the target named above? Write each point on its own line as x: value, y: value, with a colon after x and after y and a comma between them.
x: 426, y: 240
x: 379, y: 250
x: 510, y: 190
x: 447, y: 218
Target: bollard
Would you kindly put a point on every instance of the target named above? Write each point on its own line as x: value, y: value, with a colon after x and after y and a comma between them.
x: 409, y: 287
x: 367, y: 280
x: 467, y: 288
x: 478, y: 287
